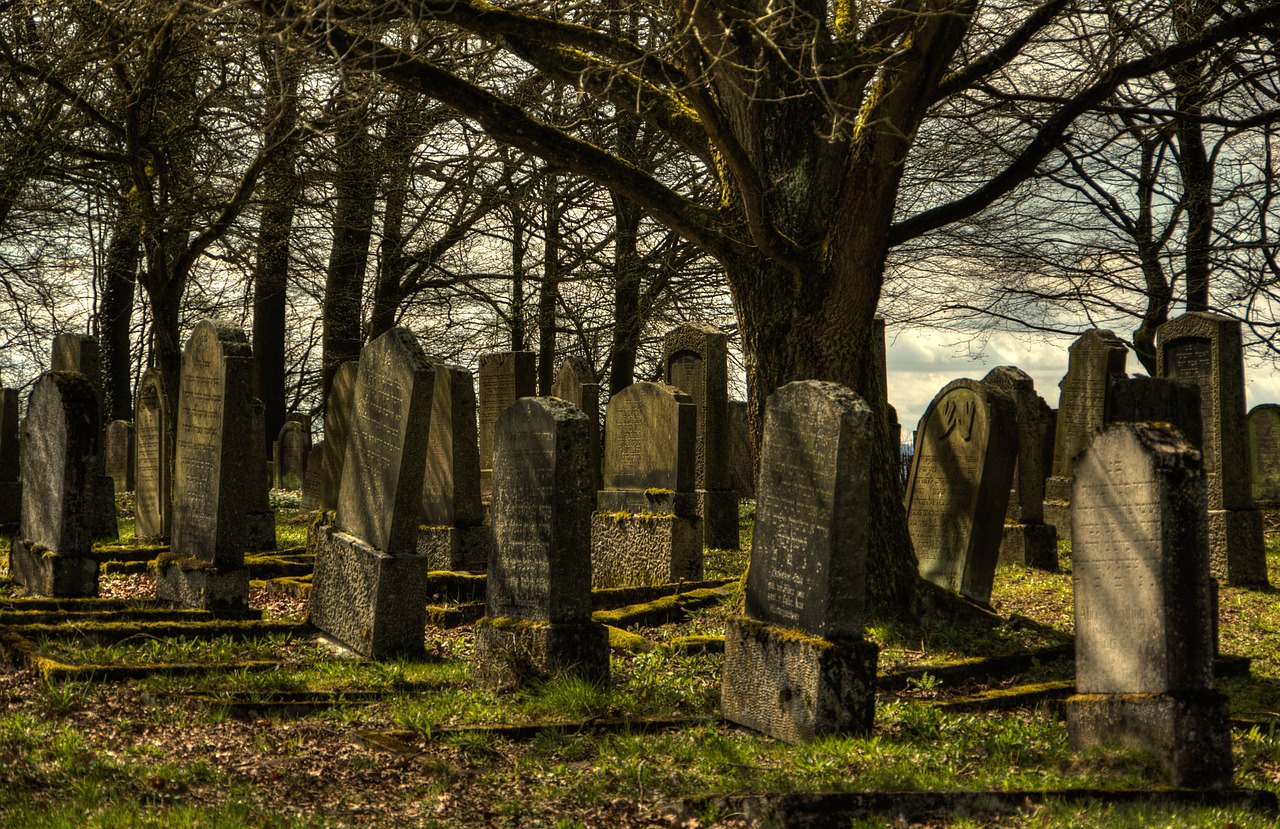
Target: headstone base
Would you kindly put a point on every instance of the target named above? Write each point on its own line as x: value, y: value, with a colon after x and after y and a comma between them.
x: 1237, y: 554
x: 10, y: 503
x: 46, y: 573
x: 455, y: 548
x: 1189, y: 733
x: 719, y: 512
x: 643, y: 550
x: 684, y: 504
x: 371, y: 601
x: 516, y: 652
x: 261, y: 532
x: 1035, y: 545
x: 793, y: 686
x: 1057, y: 505
x: 195, y: 583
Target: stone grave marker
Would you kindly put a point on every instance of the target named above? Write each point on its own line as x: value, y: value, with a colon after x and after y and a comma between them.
x: 79, y: 353
x: 741, y: 469
x: 337, y: 425
x: 51, y: 556
x: 1144, y: 607
x: 538, y: 602
x: 577, y: 382
x: 153, y: 493
x: 453, y: 535
x: 958, y: 491
x: 796, y: 665
x: 1264, y: 453
x: 646, y: 529
x: 313, y: 481
x: 10, y: 486
x: 505, y: 377
x: 261, y: 518
x: 294, y: 449
x: 1206, y: 349
x: 369, y: 587
x: 120, y: 455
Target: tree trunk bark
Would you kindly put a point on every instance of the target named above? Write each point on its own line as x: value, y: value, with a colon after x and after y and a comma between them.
x: 517, y: 276
x: 402, y: 139
x: 550, y: 292
x: 627, y: 271
x: 120, y: 277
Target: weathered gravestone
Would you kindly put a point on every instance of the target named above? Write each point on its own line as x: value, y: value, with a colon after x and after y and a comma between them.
x: 1097, y: 357
x: 1144, y: 606
x: 260, y: 518
x: 647, y: 528
x: 796, y: 665
x: 10, y: 486
x: 538, y: 598
x: 453, y: 535
x: 577, y: 382
x: 294, y: 447
x: 1264, y: 453
x: 79, y: 353
x: 958, y: 492
x: 120, y: 455
x: 216, y: 469
x: 1027, y: 539
x: 742, y: 472
x: 505, y: 377
x: 1141, y: 399
x: 337, y: 426
x: 369, y: 587
x: 153, y: 492
x: 695, y: 360
x: 1206, y: 349
x: 51, y: 555
x: 313, y: 481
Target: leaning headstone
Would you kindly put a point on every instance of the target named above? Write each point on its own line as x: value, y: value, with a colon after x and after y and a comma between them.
x: 294, y: 444
x: 337, y: 426
x: 796, y: 665
x: 1144, y: 608
x: 742, y: 472
x: 51, y: 555
x: 1027, y: 539
x: 153, y: 493
x: 1264, y: 454
x: 646, y: 529
x: 958, y: 492
x: 313, y: 481
x: 695, y: 360
x: 1096, y: 358
x: 577, y: 382
x: 505, y: 377
x: 1206, y: 349
x: 538, y: 600
x: 10, y: 486
x: 453, y: 535
x: 214, y: 472
x: 369, y: 587
x: 120, y: 455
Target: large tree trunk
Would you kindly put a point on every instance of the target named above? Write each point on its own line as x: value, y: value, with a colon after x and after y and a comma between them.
x: 550, y: 291
x: 397, y: 154
x: 120, y: 276
x: 517, y: 276
x: 627, y: 270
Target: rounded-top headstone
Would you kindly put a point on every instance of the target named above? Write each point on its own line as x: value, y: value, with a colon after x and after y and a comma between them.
x: 650, y: 439
x: 1264, y: 452
x: 60, y: 462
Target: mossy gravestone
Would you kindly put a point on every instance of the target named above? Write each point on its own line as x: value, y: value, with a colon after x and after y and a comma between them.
x: 505, y: 377
x: 958, y: 492
x: 313, y: 481
x: 1264, y: 453
x: 60, y: 462
x: 10, y: 487
x: 796, y: 665
x: 337, y: 426
x: 369, y: 587
x: 453, y: 535
x: 538, y: 604
x: 1144, y: 606
x: 153, y: 494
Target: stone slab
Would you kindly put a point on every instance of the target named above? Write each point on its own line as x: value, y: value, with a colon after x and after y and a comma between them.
x: 193, y: 583
x: 455, y: 548
x: 1237, y: 551
x: 46, y: 573
x: 630, y: 550
x: 1035, y: 545
x: 517, y: 651
x: 718, y: 510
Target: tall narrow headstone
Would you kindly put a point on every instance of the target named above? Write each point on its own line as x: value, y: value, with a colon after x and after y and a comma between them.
x: 10, y: 486
x: 215, y: 468
x: 337, y: 426
x: 1144, y: 608
x: 313, y: 481
x: 453, y: 535
x: 505, y: 377
x: 1096, y: 358
x: 369, y: 586
x: 260, y: 517
x: 153, y: 493
x: 695, y: 360
x: 741, y: 467
x: 538, y: 600
x: 120, y: 455
x: 647, y: 528
x: 1264, y: 453
x: 796, y: 665
x: 577, y: 382
x: 294, y: 444
x: 958, y: 492
x: 1206, y: 349
x: 1027, y: 539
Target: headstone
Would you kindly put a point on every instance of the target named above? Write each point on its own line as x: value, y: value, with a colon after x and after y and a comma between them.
x: 10, y: 486
x: 1144, y: 607
x: 1096, y: 358
x: 505, y: 377
x: 538, y: 600
x: 796, y: 665
x: 577, y: 382
x: 1264, y: 454
x: 120, y: 455
x: 1206, y: 349
x: 1027, y: 539
x: 313, y: 481
x: 742, y: 472
x: 79, y: 353
x: 291, y: 457
x: 215, y: 471
x: 153, y: 493
x: 51, y: 556
x: 260, y: 518
x: 958, y: 492
x: 695, y: 360
x: 453, y: 535
x: 369, y: 586
x: 1141, y: 399
x: 646, y: 530
x: 337, y: 426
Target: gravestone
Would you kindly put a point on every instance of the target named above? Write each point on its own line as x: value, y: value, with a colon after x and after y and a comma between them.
x: 313, y: 481
x: 1026, y: 538
x: 369, y: 587
x: 294, y: 448
x: 505, y: 377
x: 1096, y: 358
x: 1144, y: 608
x: 120, y: 455
x: 1264, y: 454
x: 796, y: 665
x: 1206, y: 349
x: 538, y: 600
x: 79, y: 353
x: 10, y: 486
x: 217, y: 466
x: 261, y: 518
x: 741, y: 469
x: 153, y: 493
x: 695, y: 360
x: 453, y: 535
x: 646, y: 530
x: 51, y: 556
x: 958, y: 491
x: 337, y: 426
x: 577, y: 382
